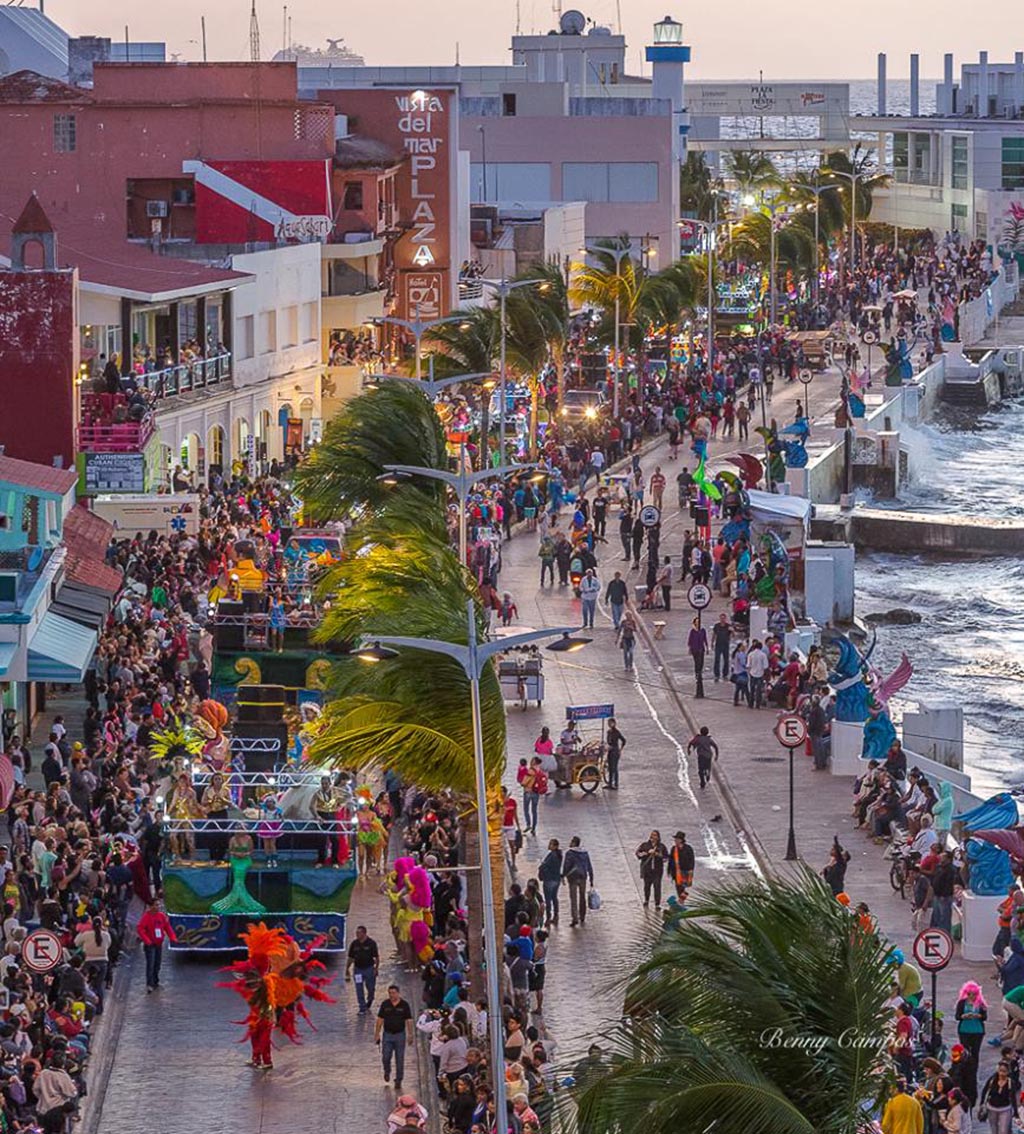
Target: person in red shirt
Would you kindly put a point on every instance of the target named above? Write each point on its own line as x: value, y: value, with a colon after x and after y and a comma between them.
x: 510, y: 824
x: 154, y: 929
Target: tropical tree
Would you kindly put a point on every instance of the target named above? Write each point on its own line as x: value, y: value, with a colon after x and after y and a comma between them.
x: 751, y: 170
x: 762, y: 1011
x: 698, y: 188
x: 550, y: 298
x: 400, y: 576
x: 836, y: 167
x: 751, y: 240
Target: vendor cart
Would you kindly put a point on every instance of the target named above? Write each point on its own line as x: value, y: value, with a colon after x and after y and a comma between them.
x: 521, y: 676
x: 580, y: 754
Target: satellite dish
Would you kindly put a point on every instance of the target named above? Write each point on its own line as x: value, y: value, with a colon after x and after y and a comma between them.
x: 572, y: 22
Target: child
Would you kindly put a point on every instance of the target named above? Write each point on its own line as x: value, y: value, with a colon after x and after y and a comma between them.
x: 270, y: 828
x: 508, y: 609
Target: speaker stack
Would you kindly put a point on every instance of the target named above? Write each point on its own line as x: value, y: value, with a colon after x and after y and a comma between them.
x: 230, y: 635
x: 259, y: 737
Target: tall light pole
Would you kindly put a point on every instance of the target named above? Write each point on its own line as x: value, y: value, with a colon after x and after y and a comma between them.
x: 710, y: 229
x: 817, y: 190
x: 773, y: 207
x: 483, y: 180
x: 461, y: 483
x: 853, y: 178
x: 503, y: 288
x: 418, y: 328
x: 618, y: 255
x: 474, y: 657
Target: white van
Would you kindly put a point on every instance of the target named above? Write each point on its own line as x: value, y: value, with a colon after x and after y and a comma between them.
x: 139, y: 515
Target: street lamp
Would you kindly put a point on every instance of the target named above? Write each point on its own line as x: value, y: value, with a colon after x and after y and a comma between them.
x: 710, y: 229
x: 853, y: 178
x: 618, y: 255
x: 817, y: 190
x: 474, y: 657
x: 502, y: 288
x: 431, y: 387
x: 418, y: 328
x: 461, y: 483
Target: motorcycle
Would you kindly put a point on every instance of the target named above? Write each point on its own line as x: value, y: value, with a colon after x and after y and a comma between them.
x: 576, y: 574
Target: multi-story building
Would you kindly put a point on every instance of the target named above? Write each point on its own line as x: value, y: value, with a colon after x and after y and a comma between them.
x: 961, y: 168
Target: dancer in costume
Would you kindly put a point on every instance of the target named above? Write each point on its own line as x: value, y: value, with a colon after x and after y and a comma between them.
x: 273, y: 978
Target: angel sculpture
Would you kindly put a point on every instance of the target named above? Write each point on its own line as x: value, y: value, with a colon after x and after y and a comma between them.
x: 879, y: 732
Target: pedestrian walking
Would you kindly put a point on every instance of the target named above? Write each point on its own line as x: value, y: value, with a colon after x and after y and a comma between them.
x: 706, y: 751
x: 666, y: 577
x: 546, y: 554
x: 153, y: 930
x: 697, y: 644
x: 971, y: 1014
x: 510, y: 825
x: 738, y: 674
x: 534, y: 782
x: 680, y: 865
x: 757, y: 667
x: 615, y: 595
x: 626, y: 534
x: 362, y: 967
x: 577, y: 871
x: 627, y: 640
x: 393, y: 1032
x: 550, y: 874
x: 638, y: 541
x: 657, y: 486
x: 616, y: 743
x: 653, y: 856
x: 721, y: 635
x: 590, y: 591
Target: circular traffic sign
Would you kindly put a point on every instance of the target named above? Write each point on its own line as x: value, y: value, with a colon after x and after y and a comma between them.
x: 933, y: 949
x: 42, y: 951
x: 649, y: 515
x: 699, y: 596
x: 791, y: 730
x: 806, y: 376
x: 869, y: 337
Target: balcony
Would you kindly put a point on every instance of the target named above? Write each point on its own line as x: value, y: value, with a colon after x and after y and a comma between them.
x: 187, y: 376
x: 343, y: 312
x: 108, y: 427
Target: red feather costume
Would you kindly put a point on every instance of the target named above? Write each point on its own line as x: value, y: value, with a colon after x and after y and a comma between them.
x: 273, y: 979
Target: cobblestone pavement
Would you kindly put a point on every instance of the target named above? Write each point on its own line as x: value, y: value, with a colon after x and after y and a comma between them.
x: 180, y: 1069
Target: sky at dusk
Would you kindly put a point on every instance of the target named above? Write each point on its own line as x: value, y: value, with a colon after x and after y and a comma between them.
x: 822, y: 40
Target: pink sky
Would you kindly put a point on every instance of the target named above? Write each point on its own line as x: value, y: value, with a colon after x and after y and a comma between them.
x: 732, y: 40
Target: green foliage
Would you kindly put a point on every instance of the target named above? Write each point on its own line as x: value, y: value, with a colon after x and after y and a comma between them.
x: 762, y: 1012
x: 751, y: 170
x: 394, y: 425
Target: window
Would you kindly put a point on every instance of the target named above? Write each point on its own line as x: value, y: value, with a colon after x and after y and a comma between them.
x: 959, y: 172
x: 958, y: 218
x: 246, y: 336
x: 64, y: 133
x: 309, y: 322
x: 900, y: 155
x: 291, y: 326
x: 508, y: 105
x: 615, y: 181
x: 512, y: 181
x: 1013, y: 163
x: 353, y: 201
x: 268, y: 327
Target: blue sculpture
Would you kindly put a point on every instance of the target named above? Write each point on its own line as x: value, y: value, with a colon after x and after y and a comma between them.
x: 848, y: 681
x: 990, y: 871
x: 795, y: 451
x: 997, y: 813
x: 879, y: 732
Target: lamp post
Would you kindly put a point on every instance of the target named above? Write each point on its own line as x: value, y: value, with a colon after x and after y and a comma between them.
x: 461, y: 483
x: 502, y: 288
x: 474, y: 657
x: 483, y: 180
x: 773, y: 208
x: 618, y: 255
x: 817, y: 190
x: 853, y: 178
x: 418, y: 328
x: 709, y: 228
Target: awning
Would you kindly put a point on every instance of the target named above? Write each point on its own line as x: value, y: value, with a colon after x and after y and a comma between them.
x: 83, y: 605
x: 60, y: 650
x: 773, y: 507
x: 7, y: 652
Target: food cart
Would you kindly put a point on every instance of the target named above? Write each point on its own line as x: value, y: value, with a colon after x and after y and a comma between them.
x: 521, y: 675
x: 580, y: 755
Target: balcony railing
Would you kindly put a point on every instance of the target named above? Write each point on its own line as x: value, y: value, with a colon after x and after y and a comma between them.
x: 122, y: 437
x: 187, y: 376
x: 470, y: 289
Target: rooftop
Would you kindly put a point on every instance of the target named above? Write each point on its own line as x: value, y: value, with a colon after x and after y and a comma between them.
x: 27, y: 86
x: 364, y: 153
x: 37, y: 478
x: 33, y: 218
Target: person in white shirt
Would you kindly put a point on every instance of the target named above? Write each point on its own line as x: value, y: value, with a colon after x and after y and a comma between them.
x: 757, y: 667
x: 590, y: 589
x: 926, y: 838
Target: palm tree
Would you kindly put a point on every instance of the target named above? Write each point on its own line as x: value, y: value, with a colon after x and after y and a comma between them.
x: 751, y: 238
x: 697, y: 187
x: 390, y: 426
x: 752, y: 171
x: 837, y: 164
x: 763, y: 1010
x: 551, y: 300
x: 400, y: 576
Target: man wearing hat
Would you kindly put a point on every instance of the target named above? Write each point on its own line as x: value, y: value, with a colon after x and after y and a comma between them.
x: 680, y: 865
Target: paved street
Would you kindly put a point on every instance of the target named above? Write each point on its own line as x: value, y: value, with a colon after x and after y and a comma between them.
x: 182, y: 1042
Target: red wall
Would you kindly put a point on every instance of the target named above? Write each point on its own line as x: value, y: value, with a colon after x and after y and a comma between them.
x: 38, y: 364
x: 165, y: 114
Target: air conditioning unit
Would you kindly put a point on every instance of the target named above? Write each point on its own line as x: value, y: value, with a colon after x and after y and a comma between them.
x: 156, y: 208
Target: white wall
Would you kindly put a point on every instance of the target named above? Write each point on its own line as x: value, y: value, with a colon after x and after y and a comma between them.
x: 284, y: 292
x: 565, y: 231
